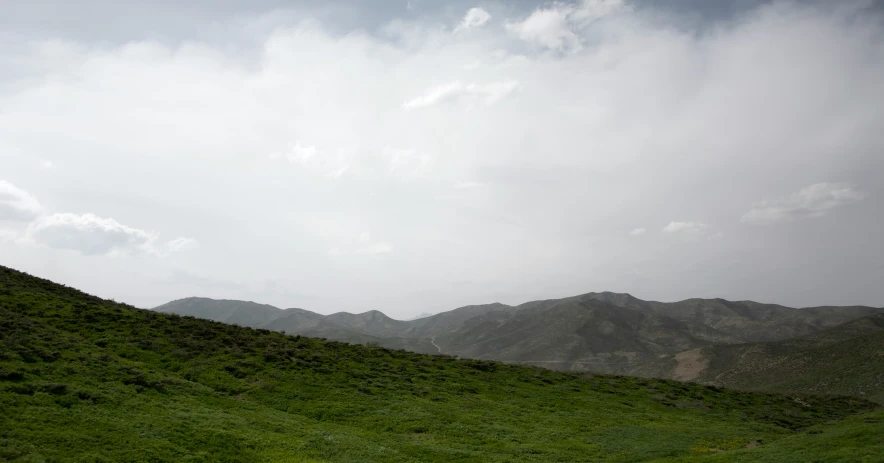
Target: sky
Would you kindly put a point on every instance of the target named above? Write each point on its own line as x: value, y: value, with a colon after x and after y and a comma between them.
x: 417, y: 156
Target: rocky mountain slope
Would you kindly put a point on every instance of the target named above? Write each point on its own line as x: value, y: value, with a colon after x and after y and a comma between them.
x: 605, y: 332
x: 847, y: 359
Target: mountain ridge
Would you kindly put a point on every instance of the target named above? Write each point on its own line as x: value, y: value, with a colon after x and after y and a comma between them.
x: 600, y: 331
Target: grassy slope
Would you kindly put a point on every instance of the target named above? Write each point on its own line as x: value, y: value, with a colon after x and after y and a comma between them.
x: 855, y: 439
x: 82, y: 379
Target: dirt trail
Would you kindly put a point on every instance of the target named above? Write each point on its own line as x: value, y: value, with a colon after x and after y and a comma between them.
x: 433, y: 342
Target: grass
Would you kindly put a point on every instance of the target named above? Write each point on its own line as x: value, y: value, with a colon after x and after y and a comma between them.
x: 855, y: 439
x: 89, y: 380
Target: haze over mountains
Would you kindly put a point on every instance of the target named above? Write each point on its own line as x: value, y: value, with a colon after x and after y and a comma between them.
x: 604, y: 332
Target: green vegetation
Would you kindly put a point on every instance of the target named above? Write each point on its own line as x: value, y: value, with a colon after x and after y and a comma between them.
x: 856, y: 439
x: 84, y: 379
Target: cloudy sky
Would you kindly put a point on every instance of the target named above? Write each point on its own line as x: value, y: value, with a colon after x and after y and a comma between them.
x: 414, y: 156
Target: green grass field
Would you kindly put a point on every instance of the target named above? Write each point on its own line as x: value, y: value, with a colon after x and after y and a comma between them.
x: 88, y: 380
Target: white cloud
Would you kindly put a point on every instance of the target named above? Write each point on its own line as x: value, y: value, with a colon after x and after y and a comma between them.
x: 435, y: 95
x: 301, y: 154
x: 17, y: 204
x: 548, y: 27
x: 310, y: 158
x: 46, y: 164
x: 406, y: 162
x: 379, y: 247
x: 90, y: 234
x: 468, y: 185
x: 685, y: 227
x: 475, y: 17
x: 362, y: 243
x: 8, y: 235
x: 87, y: 233
x: 180, y: 244
x: 810, y: 202
x: 338, y: 171
x: 558, y: 26
x: 470, y: 94
x: 637, y: 231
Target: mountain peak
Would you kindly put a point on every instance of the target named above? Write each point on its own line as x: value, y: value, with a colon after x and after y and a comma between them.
x: 621, y: 299
x: 367, y: 315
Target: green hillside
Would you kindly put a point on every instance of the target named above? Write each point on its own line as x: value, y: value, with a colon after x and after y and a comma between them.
x: 84, y: 379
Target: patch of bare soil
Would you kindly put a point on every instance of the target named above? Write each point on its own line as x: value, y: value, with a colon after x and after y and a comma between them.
x: 691, y: 364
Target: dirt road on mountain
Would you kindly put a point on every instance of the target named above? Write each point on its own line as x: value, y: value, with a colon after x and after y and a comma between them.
x: 433, y: 342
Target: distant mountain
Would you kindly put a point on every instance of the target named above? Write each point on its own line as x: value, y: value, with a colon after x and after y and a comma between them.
x: 575, y: 334
x: 847, y: 359
x: 446, y: 321
x: 228, y: 311
x: 753, y: 321
x: 421, y: 315
x: 604, y: 332
x: 372, y: 322
x: 369, y: 327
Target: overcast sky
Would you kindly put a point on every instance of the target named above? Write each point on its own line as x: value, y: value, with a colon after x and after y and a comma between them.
x: 419, y: 156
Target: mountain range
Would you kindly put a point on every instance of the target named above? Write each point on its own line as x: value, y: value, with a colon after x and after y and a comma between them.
x: 695, y: 339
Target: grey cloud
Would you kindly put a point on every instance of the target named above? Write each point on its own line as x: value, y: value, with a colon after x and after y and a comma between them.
x: 813, y: 201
